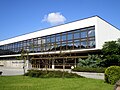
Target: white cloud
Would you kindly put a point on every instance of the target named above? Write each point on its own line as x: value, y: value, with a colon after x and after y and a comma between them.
x: 54, y: 18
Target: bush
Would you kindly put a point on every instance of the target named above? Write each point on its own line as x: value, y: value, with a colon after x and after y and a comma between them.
x: 112, y: 74
x: 50, y: 74
x: 89, y: 69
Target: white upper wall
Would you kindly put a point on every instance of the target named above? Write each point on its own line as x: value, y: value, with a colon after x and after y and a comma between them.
x: 66, y: 27
x: 105, y: 32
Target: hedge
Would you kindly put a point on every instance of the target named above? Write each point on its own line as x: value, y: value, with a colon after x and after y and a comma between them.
x: 51, y: 74
x: 112, y: 74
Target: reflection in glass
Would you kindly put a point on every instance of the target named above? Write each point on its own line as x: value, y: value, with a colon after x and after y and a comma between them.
x: 80, y: 38
x: 63, y: 46
x: 63, y: 37
x: 52, y: 39
x: 83, y: 44
x: 70, y: 46
x: 57, y: 38
x: 83, y: 34
x: 38, y: 49
x: 70, y: 36
x: 48, y: 47
x: 91, y: 44
x: 91, y: 33
x: 76, y: 45
x: 76, y: 35
x: 39, y: 41
x: 35, y: 42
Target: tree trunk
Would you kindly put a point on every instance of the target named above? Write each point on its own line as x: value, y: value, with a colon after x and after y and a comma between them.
x: 63, y: 68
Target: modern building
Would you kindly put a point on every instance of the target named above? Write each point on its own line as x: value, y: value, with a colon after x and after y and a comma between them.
x: 59, y: 46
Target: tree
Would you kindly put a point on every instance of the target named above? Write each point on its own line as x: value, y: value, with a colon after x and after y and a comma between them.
x: 110, y: 48
x: 111, y: 53
x: 91, y: 61
x: 24, y: 56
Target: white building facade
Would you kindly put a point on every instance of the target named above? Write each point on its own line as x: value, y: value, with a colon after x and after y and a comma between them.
x: 54, y: 46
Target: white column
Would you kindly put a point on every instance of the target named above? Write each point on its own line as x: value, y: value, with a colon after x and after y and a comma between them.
x: 53, y: 66
x: 27, y: 62
x: 63, y: 64
x: 75, y: 63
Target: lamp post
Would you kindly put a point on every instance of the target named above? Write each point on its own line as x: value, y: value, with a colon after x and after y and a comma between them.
x: 72, y: 67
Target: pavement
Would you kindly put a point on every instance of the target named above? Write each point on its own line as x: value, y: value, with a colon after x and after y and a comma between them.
x: 17, y: 71
x: 91, y: 75
x: 11, y: 71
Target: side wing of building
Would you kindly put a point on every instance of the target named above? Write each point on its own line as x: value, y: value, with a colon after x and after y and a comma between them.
x: 105, y: 32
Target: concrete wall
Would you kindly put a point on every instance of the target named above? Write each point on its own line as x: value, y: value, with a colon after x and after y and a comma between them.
x: 13, y: 63
x: 105, y: 32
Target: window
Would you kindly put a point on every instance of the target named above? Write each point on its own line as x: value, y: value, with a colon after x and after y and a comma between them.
x: 58, y: 47
x: 58, y: 38
x: 83, y: 44
x: 91, y: 44
x: 76, y: 35
x: 76, y: 45
x: 28, y: 44
x: 35, y: 41
x: 48, y: 47
x: 39, y: 48
x: 31, y: 42
x: 52, y: 39
x: 52, y: 48
x: 63, y: 37
x: 84, y: 34
x: 70, y: 36
x: 39, y: 41
x: 63, y: 46
x: 42, y: 41
x: 24, y: 43
x: 42, y: 47
x: 16, y: 45
x: 91, y: 33
x: 70, y: 46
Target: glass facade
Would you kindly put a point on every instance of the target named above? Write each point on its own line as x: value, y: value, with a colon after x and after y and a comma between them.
x: 83, y: 38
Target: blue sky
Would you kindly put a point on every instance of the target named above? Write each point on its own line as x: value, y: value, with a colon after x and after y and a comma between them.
x: 18, y: 17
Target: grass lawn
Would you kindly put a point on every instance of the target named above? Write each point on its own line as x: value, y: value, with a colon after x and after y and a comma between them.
x: 28, y: 83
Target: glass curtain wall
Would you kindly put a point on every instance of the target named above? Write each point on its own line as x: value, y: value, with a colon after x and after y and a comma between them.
x: 83, y: 38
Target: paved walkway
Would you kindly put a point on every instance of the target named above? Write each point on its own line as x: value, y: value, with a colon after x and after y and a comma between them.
x: 11, y: 71
x: 16, y: 71
x: 91, y: 75
x: 87, y: 74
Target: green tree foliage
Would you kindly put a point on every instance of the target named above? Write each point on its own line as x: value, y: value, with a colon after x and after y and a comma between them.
x: 24, y: 56
x: 111, y: 53
x: 110, y: 48
x: 91, y: 61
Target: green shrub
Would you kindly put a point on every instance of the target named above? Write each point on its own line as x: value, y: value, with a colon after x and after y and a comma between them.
x: 112, y: 74
x: 89, y: 69
x: 50, y: 74
x: 35, y: 73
